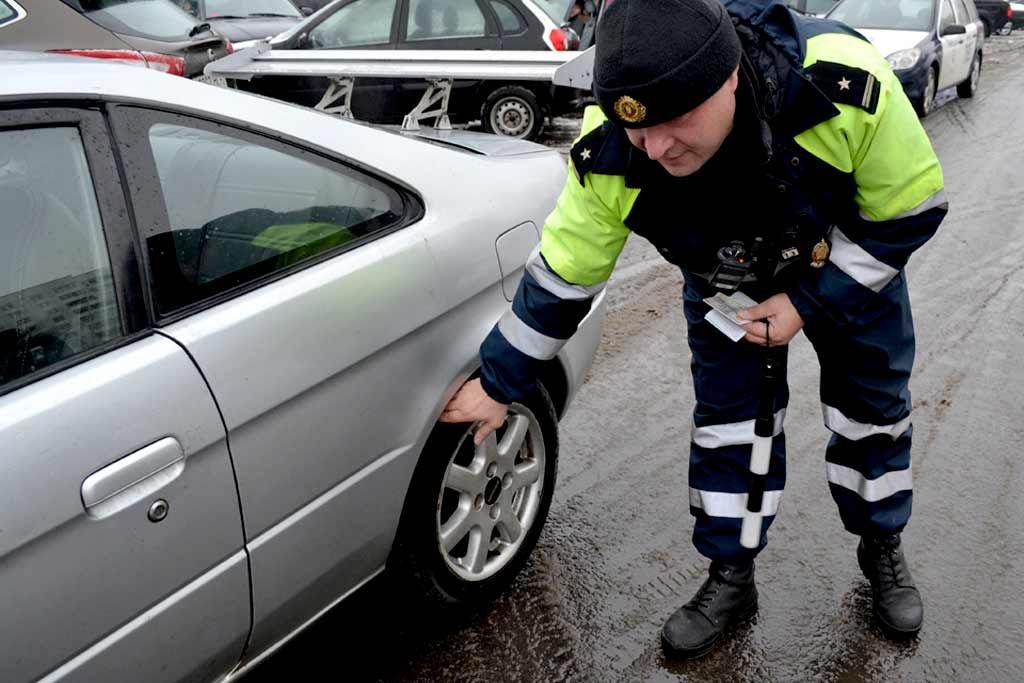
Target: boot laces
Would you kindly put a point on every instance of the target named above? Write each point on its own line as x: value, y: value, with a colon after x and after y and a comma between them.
x: 890, y: 566
x: 706, y: 595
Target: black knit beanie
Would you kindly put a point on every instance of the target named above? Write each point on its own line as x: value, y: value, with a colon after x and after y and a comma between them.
x: 658, y: 59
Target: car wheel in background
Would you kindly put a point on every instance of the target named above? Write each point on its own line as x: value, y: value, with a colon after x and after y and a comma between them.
x: 513, y: 111
x: 473, y: 513
x: 985, y: 26
x: 970, y: 86
x: 926, y: 102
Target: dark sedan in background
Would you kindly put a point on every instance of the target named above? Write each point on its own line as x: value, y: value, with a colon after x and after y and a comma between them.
x: 514, y: 109
x: 152, y: 33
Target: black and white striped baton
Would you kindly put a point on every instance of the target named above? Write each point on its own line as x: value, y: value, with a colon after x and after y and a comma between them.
x: 760, y: 455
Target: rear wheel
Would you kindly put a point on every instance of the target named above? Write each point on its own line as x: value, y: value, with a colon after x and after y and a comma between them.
x: 970, y: 86
x: 513, y: 111
x: 474, y: 513
x: 926, y: 103
x: 986, y: 27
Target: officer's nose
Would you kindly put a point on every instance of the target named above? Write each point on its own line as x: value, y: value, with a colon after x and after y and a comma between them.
x: 657, y: 141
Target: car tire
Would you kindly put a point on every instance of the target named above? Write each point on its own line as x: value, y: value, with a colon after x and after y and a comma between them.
x: 474, y: 505
x: 970, y: 86
x: 926, y: 102
x: 986, y: 27
x: 513, y: 111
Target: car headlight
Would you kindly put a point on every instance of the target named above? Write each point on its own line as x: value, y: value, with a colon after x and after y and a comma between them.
x: 904, y: 59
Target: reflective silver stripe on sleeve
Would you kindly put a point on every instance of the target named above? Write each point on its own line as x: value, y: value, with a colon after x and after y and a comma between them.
x: 551, y: 281
x: 853, y: 260
x: 936, y: 200
x: 855, y: 431
x: 871, y: 490
x: 718, y: 504
x: 732, y: 433
x: 526, y: 339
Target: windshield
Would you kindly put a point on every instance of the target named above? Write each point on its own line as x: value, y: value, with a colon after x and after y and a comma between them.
x: 905, y: 15
x: 248, y: 8
x: 155, y: 19
x: 556, y: 9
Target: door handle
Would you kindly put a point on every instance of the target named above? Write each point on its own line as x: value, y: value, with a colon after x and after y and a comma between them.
x: 132, y: 478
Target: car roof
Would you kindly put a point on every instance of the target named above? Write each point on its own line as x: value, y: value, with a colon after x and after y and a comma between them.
x: 35, y: 76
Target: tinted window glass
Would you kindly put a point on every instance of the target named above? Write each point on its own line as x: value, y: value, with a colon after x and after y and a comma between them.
x: 906, y: 15
x: 430, y: 19
x: 56, y: 288
x: 158, y: 19
x: 963, y: 14
x: 10, y: 12
x: 239, y: 211
x: 508, y: 18
x: 364, y: 22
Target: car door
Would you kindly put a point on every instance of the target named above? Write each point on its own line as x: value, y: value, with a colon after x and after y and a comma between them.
x: 304, y: 292
x: 968, y: 17
x: 121, y: 544
x: 360, y: 25
x: 446, y: 25
x: 954, y: 48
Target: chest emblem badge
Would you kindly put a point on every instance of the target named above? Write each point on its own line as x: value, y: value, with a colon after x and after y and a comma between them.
x: 629, y: 110
x: 819, y: 255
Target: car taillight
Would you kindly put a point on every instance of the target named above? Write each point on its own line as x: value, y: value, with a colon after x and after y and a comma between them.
x: 1009, y: 12
x: 229, y: 47
x: 166, y: 63
x: 558, y: 39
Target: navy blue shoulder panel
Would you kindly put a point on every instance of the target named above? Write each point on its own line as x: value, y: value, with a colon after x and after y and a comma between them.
x: 788, y: 29
x: 604, y: 150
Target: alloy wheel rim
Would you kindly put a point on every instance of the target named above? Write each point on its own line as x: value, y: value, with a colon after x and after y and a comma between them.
x: 490, y: 497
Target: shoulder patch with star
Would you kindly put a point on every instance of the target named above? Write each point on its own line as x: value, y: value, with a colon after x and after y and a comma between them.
x: 846, y: 84
x: 599, y: 151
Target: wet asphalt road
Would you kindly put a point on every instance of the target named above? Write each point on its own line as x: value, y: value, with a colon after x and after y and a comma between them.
x: 615, y: 558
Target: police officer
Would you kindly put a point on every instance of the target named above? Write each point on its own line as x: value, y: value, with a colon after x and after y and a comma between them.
x: 776, y: 154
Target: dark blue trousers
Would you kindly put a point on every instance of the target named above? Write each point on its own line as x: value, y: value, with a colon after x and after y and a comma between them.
x: 865, y: 370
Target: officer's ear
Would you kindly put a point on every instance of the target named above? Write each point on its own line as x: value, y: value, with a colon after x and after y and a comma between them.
x: 734, y: 79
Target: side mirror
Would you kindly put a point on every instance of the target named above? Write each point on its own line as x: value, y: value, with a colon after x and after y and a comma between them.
x: 306, y: 11
x: 954, y: 30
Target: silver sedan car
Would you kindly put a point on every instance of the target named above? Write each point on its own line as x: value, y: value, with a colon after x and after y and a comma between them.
x: 227, y: 328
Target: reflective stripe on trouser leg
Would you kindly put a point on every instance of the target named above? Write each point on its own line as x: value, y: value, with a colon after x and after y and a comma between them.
x: 727, y: 377
x: 865, y: 373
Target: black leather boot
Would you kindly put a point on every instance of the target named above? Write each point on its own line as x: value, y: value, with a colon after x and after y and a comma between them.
x: 897, y: 603
x: 728, y: 597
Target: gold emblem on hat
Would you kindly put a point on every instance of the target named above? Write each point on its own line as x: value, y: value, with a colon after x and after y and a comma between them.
x: 629, y: 110
x: 819, y: 254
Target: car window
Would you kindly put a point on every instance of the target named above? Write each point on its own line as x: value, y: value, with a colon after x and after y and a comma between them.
x: 963, y: 13
x: 432, y: 19
x: 947, y: 17
x: 363, y: 22
x: 239, y: 211
x: 155, y: 19
x: 510, y: 21
x: 57, y: 296
x: 906, y: 15
x: 248, y: 8
x: 10, y: 12
x: 558, y: 10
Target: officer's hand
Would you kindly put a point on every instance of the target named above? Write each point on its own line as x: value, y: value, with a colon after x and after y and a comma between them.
x: 783, y: 321
x: 472, y: 404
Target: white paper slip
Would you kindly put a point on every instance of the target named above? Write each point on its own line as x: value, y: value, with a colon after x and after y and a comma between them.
x: 725, y: 325
x: 729, y: 306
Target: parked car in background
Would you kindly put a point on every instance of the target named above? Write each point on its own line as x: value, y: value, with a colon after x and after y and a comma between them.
x: 227, y: 329
x: 514, y: 109
x: 1017, y: 10
x: 244, y: 22
x: 151, y: 33
x: 931, y: 44
x: 996, y: 16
